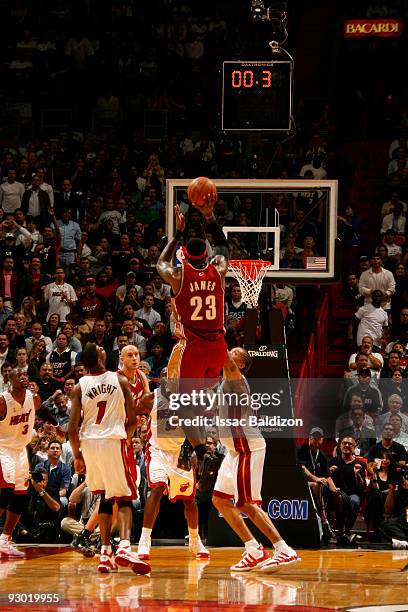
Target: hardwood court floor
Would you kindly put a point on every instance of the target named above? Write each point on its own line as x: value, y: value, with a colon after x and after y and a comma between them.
x: 324, y: 579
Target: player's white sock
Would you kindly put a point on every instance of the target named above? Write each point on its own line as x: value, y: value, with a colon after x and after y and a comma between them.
x: 281, y: 546
x: 124, y: 544
x: 5, y: 537
x: 250, y: 545
x: 146, y: 533
x: 192, y: 533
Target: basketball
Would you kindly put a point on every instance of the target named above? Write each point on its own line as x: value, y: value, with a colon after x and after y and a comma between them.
x: 200, y: 189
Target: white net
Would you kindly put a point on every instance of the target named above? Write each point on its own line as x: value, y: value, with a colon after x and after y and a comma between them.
x: 249, y: 274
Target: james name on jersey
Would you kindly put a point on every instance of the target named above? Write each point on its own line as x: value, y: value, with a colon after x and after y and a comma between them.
x: 204, y: 285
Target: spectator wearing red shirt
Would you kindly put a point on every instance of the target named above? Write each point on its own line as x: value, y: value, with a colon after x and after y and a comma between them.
x: 34, y: 280
x: 90, y: 306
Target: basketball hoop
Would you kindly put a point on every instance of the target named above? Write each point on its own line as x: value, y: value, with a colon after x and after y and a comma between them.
x: 249, y: 274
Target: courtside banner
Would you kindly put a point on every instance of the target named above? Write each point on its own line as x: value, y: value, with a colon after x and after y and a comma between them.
x: 378, y: 28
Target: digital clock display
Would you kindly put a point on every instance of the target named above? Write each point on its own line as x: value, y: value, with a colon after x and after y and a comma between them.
x: 257, y: 96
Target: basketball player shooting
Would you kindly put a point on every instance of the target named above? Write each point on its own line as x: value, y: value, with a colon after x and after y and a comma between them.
x: 101, y: 447
x: 17, y: 415
x: 240, y: 477
x: 198, y: 288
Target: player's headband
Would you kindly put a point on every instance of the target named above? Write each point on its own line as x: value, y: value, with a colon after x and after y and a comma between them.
x: 187, y: 255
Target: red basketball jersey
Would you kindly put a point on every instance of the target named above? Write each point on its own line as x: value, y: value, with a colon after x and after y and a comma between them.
x: 136, y: 387
x: 199, y: 304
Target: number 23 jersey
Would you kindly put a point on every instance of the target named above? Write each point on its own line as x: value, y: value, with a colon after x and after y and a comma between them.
x: 103, y: 406
x: 199, y: 304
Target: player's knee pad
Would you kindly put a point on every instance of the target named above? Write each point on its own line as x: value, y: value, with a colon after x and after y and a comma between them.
x: 18, y: 503
x: 126, y: 503
x: 6, y: 495
x: 105, y: 506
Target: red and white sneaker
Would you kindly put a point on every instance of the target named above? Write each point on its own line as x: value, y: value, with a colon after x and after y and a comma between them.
x: 107, y: 563
x: 279, y: 560
x: 126, y: 558
x: 7, y: 549
x: 143, y: 549
x: 251, y: 559
x: 198, y: 549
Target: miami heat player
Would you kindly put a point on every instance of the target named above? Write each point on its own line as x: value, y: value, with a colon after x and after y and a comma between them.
x: 108, y: 423
x: 163, y: 474
x: 17, y: 414
x: 240, y: 475
x: 198, y: 287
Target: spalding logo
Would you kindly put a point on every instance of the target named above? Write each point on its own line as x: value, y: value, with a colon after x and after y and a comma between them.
x: 184, y: 487
x: 263, y: 352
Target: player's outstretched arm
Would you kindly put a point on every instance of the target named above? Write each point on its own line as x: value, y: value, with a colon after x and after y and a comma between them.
x: 169, y: 273
x: 230, y: 369
x: 73, y: 429
x: 219, y: 238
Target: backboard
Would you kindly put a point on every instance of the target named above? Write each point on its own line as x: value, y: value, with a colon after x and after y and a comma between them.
x: 291, y: 223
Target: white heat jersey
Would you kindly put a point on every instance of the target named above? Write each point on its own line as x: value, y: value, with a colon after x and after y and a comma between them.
x: 235, y: 430
x: 103, y: 406
x: 16, y: 429
x: 161, y: 434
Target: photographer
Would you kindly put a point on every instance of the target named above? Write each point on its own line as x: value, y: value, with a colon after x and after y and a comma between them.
x: 396, y: 506
x: 315, y: 466
x: 208, y: 472
x: 44, y: 507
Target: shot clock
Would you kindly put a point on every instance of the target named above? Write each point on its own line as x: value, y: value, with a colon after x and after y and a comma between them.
x: 257, y: 96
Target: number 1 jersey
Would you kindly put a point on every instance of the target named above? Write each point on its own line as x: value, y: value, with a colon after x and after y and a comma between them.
x: 199, y: 304
x: 103, y: 406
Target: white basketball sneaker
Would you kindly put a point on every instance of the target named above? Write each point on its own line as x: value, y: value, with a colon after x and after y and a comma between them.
x: 280, y: 559
x: 107, y: 563
x: 198, y: 549
x: 7, y: 549
x: 143, y: 549
x: 124, y: 557
x: 251, y: 559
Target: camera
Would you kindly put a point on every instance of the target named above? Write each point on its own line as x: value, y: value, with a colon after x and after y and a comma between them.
x: 402, y: 474
x: 37, y: 476
x: 258, y: 10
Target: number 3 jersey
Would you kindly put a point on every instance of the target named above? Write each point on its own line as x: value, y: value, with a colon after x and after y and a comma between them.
x: 103, y: 406
x: 199, y: 304
x: 16, y: 429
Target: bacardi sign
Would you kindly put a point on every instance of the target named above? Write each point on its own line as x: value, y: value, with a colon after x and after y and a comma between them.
x: 379, y: 28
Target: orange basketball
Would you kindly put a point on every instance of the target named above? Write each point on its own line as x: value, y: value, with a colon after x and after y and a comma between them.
x: 200, y: 189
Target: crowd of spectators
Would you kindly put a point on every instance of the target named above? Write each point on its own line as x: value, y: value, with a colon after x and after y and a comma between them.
x: 83, y: 216
x: 368, y: 472
x: 81, y: 227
